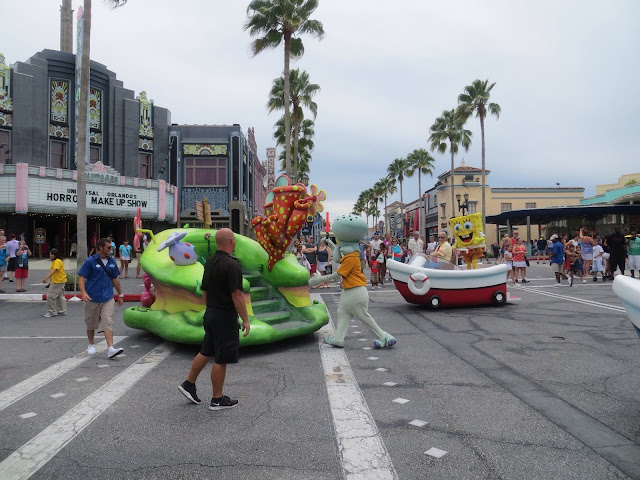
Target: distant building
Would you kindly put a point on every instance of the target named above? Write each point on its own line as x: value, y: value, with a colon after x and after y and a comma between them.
x: 625, y: 192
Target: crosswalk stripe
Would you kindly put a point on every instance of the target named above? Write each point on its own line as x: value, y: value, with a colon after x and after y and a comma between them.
x: 576, y: 300
x: 31, y: 384
x: 362, y: 450
x: 29, y: 458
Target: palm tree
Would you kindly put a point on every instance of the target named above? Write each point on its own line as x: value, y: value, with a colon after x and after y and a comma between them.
x: 389, y: 186
x: 301, y: 92
x: 449, y: 127
x: 476, y: 99
x: 276, y: 21
x: 422, y: 162
x: 397, y: 170
x: 305, y: 145
x: 377, y: 193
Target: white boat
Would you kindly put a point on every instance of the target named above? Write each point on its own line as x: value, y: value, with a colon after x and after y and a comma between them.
x: 628, y: 289
x: 449, y: 285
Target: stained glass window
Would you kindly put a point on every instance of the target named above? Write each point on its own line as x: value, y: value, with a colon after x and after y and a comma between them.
x: 95, y: 109
x: 60, y: 101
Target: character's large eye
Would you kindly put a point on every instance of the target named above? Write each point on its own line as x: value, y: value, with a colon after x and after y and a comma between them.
x: 468, y: 225
x: 457, y: 227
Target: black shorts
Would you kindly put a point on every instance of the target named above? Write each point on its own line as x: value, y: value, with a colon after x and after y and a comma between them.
x: 221, y: 336
x: 12, y: 264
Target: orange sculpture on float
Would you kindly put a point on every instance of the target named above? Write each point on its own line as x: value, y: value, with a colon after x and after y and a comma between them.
x: 286, y: 209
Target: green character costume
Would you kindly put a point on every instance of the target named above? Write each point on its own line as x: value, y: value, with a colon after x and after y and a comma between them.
x: 354, y: 300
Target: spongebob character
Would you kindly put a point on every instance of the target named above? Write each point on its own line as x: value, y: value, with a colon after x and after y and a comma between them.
x: 470, y: 240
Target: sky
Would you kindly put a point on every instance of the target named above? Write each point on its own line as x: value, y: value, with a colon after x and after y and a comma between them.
x: 565, y: 74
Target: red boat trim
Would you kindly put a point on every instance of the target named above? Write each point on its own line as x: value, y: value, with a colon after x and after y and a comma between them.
x: 453, y: 297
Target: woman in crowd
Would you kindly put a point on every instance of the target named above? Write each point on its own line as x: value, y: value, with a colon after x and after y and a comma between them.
x: 324, y: 257
x: 22, y: 266
x: 56, y: 303
x: 520, y: 261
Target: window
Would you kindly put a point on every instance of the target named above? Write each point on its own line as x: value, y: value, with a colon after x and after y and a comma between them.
x: 145, y: 165
x: 473, y: 207
x: 205, y: 171
x: 58, y: 154
x: 94, y: 154
x: 505, y: 207
x: 530, y: 205
x: 5, y: 146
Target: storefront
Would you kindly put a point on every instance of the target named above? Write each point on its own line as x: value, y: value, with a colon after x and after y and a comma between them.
x: 40, y: 200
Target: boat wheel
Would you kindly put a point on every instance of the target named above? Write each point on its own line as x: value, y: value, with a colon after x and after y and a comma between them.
x: 435, y: 301
x: 499, y: 298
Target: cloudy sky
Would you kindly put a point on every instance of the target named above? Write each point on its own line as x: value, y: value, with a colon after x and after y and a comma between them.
x: 566, y: 76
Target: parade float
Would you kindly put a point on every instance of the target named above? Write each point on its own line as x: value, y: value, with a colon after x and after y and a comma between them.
x: 628, y: 289
x: 445, y: 284
x: 274, y: 283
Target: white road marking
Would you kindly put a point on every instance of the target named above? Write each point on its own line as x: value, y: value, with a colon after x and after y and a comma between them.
x: 29, y: 458
x: 31, y: 384
x: 372, y: 358
x: 435, y: 452
x: 103, y: 366
x: 134, y: 346
x: 381, y: 369
x: 418, y: 423
x: 577, y: 300
x: 363, y: 454
x: 41, y: 338
x: 401, y: 401
x: 82, y: 379
x: 389, y: 384
x: 367, y: 348
x: 362, y: 339
x: 57, y: 395
x: 28, y: 415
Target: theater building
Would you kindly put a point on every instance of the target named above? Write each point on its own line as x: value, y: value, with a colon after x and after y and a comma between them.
x: 138, y: 158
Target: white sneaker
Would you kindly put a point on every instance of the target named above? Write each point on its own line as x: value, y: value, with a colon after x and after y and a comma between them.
x: 91, y: 349
x: 112, y: 352
x: 557, y: 284
x: 49, y: 315
x: 570, y: 280
x: 584, y: 281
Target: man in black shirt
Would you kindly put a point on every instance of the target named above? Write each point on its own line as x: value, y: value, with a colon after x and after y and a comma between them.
x: 310, y: 250
x: 616, y: 248
x: 224, y: 298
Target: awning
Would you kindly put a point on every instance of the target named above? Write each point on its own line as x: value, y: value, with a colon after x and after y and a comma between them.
x: 547, y: 215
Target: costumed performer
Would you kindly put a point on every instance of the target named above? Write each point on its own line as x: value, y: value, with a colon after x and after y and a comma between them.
x: 354, y: 299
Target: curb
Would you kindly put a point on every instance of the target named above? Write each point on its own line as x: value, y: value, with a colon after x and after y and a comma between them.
x: 132, y: 297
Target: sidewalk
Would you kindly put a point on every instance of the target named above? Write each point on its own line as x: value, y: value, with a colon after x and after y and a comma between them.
x: 39, y: 268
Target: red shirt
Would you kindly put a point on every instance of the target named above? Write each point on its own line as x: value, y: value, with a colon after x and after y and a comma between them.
x: 374, y: 266
x: 519, y: 252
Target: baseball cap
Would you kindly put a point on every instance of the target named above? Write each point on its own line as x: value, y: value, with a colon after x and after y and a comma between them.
x: 553, y: 237
x: 416, y: 232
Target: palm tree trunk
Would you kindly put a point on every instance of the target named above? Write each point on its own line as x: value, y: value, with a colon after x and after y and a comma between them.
x: 287, y: 113
x: 402, y: 208
x: 453, y: 205
x: 81, y: 132
x: 386, y: 223
x: 296, y: 135
x: 483, y: 170
x: 420, y: 220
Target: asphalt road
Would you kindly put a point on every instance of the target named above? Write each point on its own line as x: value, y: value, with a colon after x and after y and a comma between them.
x: 547, y: 387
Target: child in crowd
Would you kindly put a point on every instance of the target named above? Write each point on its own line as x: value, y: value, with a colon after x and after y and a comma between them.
x: 301, y: 257
x: 22, y: 266
x: 508, y: 259
x: 56, y: 303
x: 125, y: 258
x: 598, y: 263
x: 572, y: 257
x: 374, y: 265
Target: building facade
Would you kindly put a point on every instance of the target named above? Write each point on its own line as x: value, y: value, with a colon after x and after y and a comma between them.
x: 136, y: 158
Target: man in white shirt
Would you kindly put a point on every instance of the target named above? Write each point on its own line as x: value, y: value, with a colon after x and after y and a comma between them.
x: 432, y: 245
x: 416, y: 245
x: 375, y: 243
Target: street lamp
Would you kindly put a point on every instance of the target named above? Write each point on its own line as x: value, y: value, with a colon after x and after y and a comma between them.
x: 463, y: 206
x: 304, y: 179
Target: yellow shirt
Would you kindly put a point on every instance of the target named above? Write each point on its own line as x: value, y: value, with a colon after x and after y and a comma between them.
x: 60, y: 276
x: 351, y: 271
x: 443, y: 252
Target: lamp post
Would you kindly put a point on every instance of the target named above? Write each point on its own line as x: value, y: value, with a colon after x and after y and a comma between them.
x: 462, y: 207
x: 304, y: 179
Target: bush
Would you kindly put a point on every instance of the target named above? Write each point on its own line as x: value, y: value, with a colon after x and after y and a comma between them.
x: 69, y: 284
